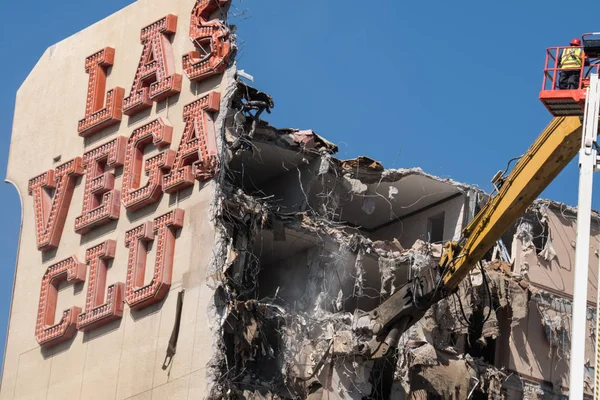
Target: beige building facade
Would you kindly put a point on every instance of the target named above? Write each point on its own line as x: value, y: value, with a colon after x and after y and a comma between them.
x: 79, y: 158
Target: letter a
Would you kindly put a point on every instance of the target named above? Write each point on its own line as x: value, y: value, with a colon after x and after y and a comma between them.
x: 155, y: 79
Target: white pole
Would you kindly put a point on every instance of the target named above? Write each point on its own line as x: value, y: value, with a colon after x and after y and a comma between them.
x: 597, y: 364
x: 587, y: 163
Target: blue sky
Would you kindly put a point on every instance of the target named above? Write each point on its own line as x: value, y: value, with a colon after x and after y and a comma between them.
x: 451, y: 87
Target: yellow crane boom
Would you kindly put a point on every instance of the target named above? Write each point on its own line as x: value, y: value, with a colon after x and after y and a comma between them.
x: 548, y: 155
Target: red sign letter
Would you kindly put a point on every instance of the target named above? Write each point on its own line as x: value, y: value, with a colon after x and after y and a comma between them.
x: 155, y: 79
x: 197, y: 153
x: 46, y: 332
x: 51, y: 212
x: 101, y: 201
x: 97, y: 312
x: 165, y: 227
x: 96, y: 117
x: 134, y: 196
x: 212, y: 40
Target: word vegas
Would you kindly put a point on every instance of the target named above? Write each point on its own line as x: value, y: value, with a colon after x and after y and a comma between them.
x: 168, y: 172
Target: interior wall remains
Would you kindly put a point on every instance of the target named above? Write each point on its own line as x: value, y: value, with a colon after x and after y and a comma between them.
x: 556, y: 273
x: 539, y: 345
x: 415, y: 227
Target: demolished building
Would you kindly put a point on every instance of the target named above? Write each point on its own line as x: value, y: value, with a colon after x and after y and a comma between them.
x: 269, y: 251
x: 326, y: 240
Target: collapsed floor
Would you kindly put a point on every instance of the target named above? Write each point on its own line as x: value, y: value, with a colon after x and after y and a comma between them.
x: 311, y: 244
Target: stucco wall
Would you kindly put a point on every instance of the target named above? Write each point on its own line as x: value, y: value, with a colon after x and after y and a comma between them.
x: 123, y: 359
x: 530, y: 352
x: 558, y: 274
x: 410, y: 229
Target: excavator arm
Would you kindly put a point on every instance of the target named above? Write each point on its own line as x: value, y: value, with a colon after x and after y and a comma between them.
x: 548, y: 155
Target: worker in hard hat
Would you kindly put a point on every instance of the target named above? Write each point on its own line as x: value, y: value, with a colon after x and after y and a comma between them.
x: 571, y: 60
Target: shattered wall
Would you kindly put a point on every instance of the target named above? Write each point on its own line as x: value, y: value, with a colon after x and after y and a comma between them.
x: 309, y: 244
x: 314, y: 243
x: 543, y: 250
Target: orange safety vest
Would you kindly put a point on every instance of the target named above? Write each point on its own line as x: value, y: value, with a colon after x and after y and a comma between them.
x: 571, y: 58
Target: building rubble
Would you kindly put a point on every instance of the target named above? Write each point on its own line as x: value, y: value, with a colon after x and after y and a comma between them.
x: 309, y: 243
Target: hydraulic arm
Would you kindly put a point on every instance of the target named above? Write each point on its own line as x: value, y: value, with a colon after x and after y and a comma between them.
x: 548, y: 155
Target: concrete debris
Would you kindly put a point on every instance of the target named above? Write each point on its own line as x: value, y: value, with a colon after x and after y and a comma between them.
x: 555, y: 313
x: 363, y: 162
x: 368, y: 205
x: 324, y: 165
x: 452, y: 376
x: 257, y: 396
x: 392, y: 192
x: 525, y: 234
x: 393, y: 175
x: 532, y: 391
x: 508, y: 290
x: 355, y: 185
x: 387, y: 269
x: 310, y: 244
x: 548, y: 252
x: 359, y: 270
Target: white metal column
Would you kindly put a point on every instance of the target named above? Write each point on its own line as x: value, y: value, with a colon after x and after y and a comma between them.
x: 597, y: 369
x: 587, y: 164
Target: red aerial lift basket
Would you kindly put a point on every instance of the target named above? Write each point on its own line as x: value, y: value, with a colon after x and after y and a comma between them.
x: 571, y: 102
